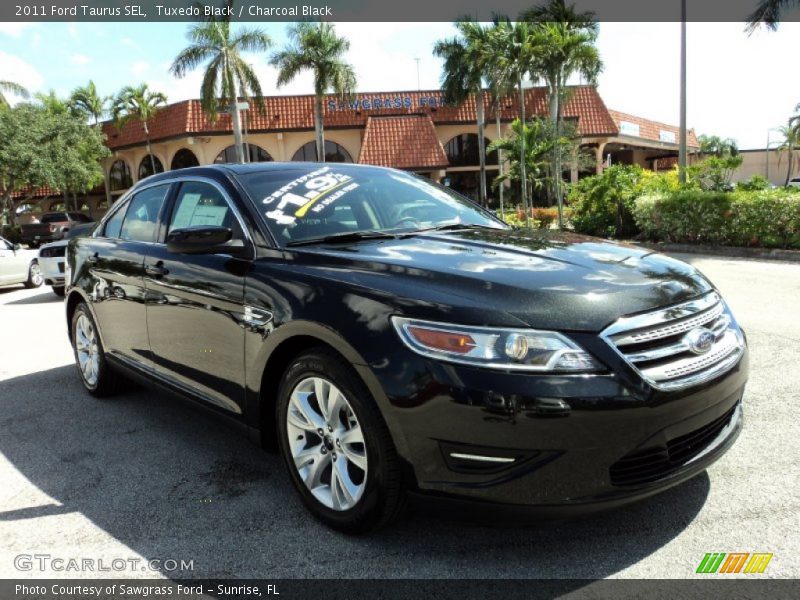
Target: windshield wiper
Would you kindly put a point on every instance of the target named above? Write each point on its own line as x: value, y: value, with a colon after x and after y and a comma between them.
x: 455, y: 227
x: 348, y: 236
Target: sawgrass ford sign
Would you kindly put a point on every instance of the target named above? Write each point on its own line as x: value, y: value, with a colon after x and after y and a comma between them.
x: 394, y: 101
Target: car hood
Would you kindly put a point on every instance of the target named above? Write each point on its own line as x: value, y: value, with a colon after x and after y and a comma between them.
x: 546, y: 280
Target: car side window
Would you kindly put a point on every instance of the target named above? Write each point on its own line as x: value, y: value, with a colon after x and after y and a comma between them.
x: 114, y: 225
x: 201, y: 203
x: 141, y: 218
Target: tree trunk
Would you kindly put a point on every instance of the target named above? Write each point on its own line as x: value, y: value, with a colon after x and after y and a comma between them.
x: 523, y: 177
x: 789, y: 168
x: 557, y: 180
x: 319, y: 128
x: 236, y: 117
x: 149, y: 149
x: 8, y: 203
x: 481, y: 146
x: 499, y: 158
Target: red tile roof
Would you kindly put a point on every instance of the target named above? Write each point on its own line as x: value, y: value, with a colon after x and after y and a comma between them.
x: 405, y: 142
x: 40, y: 192
x: 651, y: 130
x: 285, y: 113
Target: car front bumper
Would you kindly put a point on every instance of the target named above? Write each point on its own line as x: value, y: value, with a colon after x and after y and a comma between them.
x: 52, y: 270
x: 558, y: 443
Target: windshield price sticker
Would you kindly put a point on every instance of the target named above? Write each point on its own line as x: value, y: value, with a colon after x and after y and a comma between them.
x: 307, y: 193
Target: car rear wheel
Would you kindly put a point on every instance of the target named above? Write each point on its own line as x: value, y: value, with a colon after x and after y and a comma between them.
x: 35, y: 278
x: 336, y: 446
x: 96, y: 375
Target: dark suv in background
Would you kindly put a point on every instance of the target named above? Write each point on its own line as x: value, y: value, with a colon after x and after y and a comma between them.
x: 390, y: 336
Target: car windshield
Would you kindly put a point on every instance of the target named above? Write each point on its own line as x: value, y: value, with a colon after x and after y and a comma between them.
x: 337, y: 200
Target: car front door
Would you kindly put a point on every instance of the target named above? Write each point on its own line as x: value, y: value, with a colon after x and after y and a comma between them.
x: 13, y: 263
x: 195, y: 301
x: 116, y: 257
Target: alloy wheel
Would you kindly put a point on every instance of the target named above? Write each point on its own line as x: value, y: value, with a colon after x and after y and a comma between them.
x: 87, y: 350
x: 36, y: 275
x: 327, y: 443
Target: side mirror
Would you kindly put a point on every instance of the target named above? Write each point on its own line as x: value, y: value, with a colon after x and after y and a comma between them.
x: 15, y: 247
x: 204, y: 239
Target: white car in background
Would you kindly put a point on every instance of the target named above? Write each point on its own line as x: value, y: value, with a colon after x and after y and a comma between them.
x: 19, y: 265
x: 52, y: 256
x: 794, y: 182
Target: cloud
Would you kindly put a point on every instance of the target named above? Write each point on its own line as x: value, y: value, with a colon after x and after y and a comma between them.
x: 130, y: 43
x: 17, y: 70
x: 14, y: 29
x: 73, y: 32
x: 140, y: 67
x: 79, y: 59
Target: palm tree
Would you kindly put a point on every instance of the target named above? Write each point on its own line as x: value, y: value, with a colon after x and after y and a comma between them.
x: 502, y: 85
x: 85, y: 100
x: 567, y: 40
x: 717, y: 146
x: 535, y: 142
x: 228, y: 76
x: 466, y: 63
x: 515, y: 48
x: 52, y: 103
x: 315, y: 47
x: 9, y: 87
x: 768, y: 13
x: 138, y: 103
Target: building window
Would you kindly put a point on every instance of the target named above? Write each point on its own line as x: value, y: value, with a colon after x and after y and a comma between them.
x: 119, y: 176
x: 256, y: 154
x: 184, y: 159
x: 462, y: 151
x: 333, y: 153
x: 146, y: 166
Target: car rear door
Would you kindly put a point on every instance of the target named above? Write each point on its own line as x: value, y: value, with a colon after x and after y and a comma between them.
x: 116, y: 257
x: 195, y: 301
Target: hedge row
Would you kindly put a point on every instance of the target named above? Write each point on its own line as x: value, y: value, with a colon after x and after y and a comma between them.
x: 768, y: 218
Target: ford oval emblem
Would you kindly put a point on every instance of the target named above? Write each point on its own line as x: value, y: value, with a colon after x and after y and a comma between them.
x: 699, y: 340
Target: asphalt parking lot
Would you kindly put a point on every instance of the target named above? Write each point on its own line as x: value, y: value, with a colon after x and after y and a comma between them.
x: 144, y: 477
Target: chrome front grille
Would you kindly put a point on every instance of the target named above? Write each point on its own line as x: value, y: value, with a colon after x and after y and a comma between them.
x: 658, y: 345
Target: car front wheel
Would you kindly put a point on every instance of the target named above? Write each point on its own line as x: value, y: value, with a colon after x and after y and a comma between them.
x: 337, y: 448
x: 96, y: 375
x: 35, y: 278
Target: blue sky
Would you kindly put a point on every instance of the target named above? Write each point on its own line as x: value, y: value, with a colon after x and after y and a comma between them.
x: 739, y: 86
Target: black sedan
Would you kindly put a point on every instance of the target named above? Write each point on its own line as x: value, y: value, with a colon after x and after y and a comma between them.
x: 391, y: 337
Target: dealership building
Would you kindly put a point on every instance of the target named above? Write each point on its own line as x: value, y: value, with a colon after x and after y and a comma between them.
x: 415, y: 131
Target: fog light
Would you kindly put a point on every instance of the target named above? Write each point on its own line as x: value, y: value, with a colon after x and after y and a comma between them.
x: 516, y: 346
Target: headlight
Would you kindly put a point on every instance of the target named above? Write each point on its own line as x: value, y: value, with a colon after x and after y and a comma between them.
x: 495, y: 348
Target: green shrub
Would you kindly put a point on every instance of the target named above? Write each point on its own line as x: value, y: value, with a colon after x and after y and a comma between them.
x: 755, y: 183
x: 602, y: 204
x: 769, y: 218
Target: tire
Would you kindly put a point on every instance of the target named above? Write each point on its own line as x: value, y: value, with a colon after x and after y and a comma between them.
x: 364, y: 488
x: 58, y: 290
x: 35, y: 278
x: 99, y: 378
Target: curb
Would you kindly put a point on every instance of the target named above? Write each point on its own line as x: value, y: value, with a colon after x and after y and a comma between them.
x: 727, y: 251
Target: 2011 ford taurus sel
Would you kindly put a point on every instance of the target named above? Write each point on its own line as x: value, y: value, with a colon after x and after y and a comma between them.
x: 390, y: 336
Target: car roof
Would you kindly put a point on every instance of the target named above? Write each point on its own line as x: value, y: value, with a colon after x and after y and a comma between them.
x: 220, y: 170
